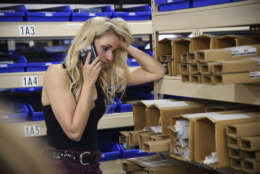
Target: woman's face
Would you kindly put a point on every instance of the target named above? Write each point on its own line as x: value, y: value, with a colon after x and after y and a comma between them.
x: 105, y: 46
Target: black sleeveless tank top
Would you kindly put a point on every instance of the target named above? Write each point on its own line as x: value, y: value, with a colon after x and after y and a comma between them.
x: 58, y: 139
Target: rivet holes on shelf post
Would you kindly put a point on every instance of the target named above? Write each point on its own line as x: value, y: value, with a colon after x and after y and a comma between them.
x: 27, y: 30
x: 32, y: 130
x: 196, y: 33
x: 30, y: 81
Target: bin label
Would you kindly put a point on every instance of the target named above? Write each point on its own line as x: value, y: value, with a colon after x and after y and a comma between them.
x: 30, y: 81
x: 27, y: 30
x: 32, y: 130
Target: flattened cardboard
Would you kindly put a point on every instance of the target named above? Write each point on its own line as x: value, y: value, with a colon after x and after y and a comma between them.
x: 243, y: 129
x: 235, y: 66
x: 157, y: 146
x: 235, y: 153
x: 129, y: 166
x: 161, y: 114
x: 252, y: 155
x: 231, y: 53
x: 251, y: 166
x: 245, y: 77
x: 179, y: 47
x: 250, y: 143
x: 210, y: 135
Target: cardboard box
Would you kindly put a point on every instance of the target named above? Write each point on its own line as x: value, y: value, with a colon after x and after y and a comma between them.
x: 133, y: 137
x: 247, y: 40
x: 192, y: 57
x: 235, y: 164
x: 207, y: 79
x: 157, y: 146
x: 179, y: 47
x: 246, y: 77
x: 196, y: 78
x: 250, y: 143
x: 251, y: 166
x: 158, y: 137
x: 210, y: 135
x: 185, y: 77
x: 193, y: 68
x: 165, y: 57
x: 163, y: 47
x: 124, y: 137
x: 252, y: 155
x: 200, y: 42
x: 205, y: 68
x: 233, y: 142
x: 224, y: 41
x: 231, y: 53
x: 139, y: 111
x: 235, y: 153
x: 184, y: 68
x: 234, y: 66
x: 161, y: 113
x: 144, y: 137
x: 243, y: 130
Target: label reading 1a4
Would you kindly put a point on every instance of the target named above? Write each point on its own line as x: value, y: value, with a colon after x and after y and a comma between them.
x: 30, y: 81
x: 27, y: 30
x: 32, y: 130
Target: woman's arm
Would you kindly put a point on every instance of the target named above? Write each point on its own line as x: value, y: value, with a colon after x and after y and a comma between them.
x: 150, y: 69
x: 71, y: 115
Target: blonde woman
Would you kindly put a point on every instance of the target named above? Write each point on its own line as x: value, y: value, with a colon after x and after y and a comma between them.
x: 75, y: 95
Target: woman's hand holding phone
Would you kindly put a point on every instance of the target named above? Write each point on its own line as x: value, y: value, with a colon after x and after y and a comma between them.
x: 91, y: 70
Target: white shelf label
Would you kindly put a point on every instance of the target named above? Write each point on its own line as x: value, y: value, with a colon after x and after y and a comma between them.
x: 27, y: 30
x: 196, y: 33
x: 32, y: 130
x: 30, y: 81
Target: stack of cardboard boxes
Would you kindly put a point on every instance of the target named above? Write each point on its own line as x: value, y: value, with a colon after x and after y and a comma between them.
x: 244, y: 146
x: 201, y: 125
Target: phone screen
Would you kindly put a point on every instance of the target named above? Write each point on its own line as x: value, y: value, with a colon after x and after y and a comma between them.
x: 84, y: 53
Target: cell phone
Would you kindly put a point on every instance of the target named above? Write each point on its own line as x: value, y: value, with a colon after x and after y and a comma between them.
x: 84, y: 53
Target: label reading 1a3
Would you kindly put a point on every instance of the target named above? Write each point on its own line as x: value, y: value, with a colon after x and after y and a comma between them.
x: 27, y: 30
x: 32, y: 130
x: 30, y: 81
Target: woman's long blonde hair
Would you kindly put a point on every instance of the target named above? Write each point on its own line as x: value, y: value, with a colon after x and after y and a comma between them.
x: 113, y: 76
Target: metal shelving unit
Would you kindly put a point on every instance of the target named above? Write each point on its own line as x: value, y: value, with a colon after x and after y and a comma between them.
x: 45, y: 30
x: 225, y: 17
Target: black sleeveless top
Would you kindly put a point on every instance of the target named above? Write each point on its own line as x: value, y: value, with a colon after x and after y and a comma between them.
x: 58, y: 139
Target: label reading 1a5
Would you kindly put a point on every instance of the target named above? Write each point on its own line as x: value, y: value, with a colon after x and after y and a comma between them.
x: 27, y: 30
x: 32, y: 130
x: 30, y: 81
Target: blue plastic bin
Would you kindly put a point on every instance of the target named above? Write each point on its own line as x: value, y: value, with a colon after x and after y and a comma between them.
x: 26, y: 90
x: 125, y: 107
x: 201, y: 3
x: 132, y: 62
x: 35, y: 115
x: 38, y: 66
x: 110, y: 150
x: 132, y: 153
x: 11, y: 62
x: 175, y: 5
x: 55, y: 14
x: 85, y: 14
x: 12, y: 13
x: 133, y: 16
x: 20, y: 114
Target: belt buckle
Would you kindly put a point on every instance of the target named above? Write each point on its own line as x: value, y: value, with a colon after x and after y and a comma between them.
x: 81, y: 158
